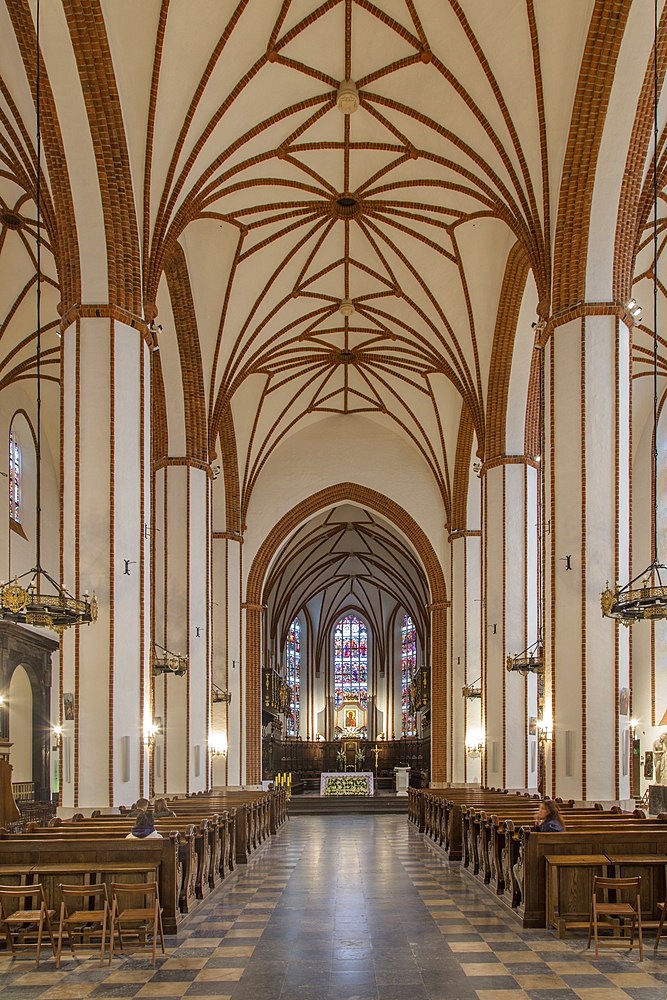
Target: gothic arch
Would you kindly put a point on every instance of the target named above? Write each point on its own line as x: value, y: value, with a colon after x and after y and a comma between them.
x: 307, y: 508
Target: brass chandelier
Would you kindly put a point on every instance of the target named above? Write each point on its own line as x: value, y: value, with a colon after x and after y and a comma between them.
x: 646, y: 600
x: 166, y: 662
x: 42, y: 601
x: 530, y: 661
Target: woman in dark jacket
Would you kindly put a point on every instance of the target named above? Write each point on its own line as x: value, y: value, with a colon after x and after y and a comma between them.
x: 548, y: 818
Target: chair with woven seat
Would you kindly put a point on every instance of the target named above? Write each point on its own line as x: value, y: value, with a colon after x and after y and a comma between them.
x: 84, y: 918
x: 136, y: 915
x: 25, y: 917
x: 615, y: 902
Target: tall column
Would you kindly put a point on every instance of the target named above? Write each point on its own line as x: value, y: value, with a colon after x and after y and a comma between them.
x: 465, y: 654
x: 227, y: 718
x: 105, y: 379
x: 439, y: 693
x: 587, y: 468
x: 182, y: 621
x: 510, y: 616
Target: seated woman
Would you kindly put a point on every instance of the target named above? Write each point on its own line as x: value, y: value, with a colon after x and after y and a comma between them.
x: 548, y: 818
x: 161, y: 809
x: 144, y: 828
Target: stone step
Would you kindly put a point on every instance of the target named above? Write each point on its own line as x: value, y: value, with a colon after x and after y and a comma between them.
x: 372, y: 805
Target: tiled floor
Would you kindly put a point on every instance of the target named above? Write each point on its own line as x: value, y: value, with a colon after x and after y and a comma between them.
x: 352, y: 909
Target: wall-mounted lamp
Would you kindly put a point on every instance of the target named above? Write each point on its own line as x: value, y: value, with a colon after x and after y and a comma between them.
x: 151, y: 732
x: 57, y: 737
x: 475, y: 742
x: 217, y: 745
x: 544, y: 730
x: 219, y: 694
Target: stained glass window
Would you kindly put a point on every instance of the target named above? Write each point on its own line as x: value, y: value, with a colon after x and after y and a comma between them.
x: 351, y: 661
x: 14, y: 479
x: 293, y: 660
x: 408, y: 667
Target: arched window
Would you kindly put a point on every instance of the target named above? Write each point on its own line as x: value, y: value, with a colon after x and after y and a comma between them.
x: 408, y: 667
x: 351, y: 661
x: 14, y: 479
x: 293, y: 660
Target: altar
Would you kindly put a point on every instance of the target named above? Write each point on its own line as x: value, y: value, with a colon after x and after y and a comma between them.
x: 347, y: 783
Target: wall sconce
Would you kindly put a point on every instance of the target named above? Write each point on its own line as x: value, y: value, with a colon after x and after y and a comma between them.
x: 57, y: 737
x: 475, y: 742
x: 153, y: 730
x: 472, y: 690
x: 544, y: 730
x: 220, y: 695
x: 217, y: 745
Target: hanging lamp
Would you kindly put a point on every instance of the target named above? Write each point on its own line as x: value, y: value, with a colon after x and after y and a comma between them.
x: 35, y: 598
x: 646, y: 600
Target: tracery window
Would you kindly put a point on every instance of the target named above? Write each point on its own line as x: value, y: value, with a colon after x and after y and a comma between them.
x: 293, y: 660
x: 351, y: 661
x: 408, y: 667
x: 14, y: 478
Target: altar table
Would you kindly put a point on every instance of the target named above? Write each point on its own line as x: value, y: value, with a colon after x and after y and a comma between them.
x: 337, y: 783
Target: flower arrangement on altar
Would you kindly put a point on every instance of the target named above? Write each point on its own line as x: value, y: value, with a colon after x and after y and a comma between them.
x: 347, y: 784
x: 359, y: 760
x: 340, y: 759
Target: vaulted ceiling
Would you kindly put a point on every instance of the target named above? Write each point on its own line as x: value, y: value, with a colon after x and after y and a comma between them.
x: 306, y: 258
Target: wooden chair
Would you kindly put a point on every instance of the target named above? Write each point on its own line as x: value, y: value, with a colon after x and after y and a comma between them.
x: 84, y: 915
x: 616, y: 911
x: 136, y: 914
x: 25, y: 925
x: 663, y: 908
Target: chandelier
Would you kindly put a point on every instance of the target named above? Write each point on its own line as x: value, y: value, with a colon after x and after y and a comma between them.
x: 166, y: 662
x: 530, y: 661
x: 472, y: 690
x: 42, y: 602
x: 646, y: 600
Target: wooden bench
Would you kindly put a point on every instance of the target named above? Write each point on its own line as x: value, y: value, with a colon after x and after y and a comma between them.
x: 30, y: 858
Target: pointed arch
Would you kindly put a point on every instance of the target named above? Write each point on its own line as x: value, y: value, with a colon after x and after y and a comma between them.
x: 393, y: 512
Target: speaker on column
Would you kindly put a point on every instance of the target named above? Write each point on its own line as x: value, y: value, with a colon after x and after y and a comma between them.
x: 125, y: 758
x: 197, y: 760
x: 494, y: 755
x: 569, y: 753
x: 67, y: 759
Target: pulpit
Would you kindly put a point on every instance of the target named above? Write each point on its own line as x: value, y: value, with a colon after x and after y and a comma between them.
x: 9, y: 811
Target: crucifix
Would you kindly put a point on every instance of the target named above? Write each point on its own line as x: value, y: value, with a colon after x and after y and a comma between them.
x: 376, y: 750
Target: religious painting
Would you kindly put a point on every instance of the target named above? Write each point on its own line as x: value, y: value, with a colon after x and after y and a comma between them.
x: 648, y: 764
x: 623, y: 701
x: 351, y: 719
x: 68, y: 706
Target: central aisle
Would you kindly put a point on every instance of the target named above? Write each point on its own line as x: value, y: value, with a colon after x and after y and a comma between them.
x: 361, y: 908
x: 350, y: 908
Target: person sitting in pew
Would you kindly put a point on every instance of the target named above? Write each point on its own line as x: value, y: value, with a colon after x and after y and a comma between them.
x: 548, y: 818
x: 144, y: 828
x: 141, y: 805
x: 161, y: 809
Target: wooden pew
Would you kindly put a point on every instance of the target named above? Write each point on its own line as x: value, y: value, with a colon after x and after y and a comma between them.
x: 53, y: 859
x: 624, y: 836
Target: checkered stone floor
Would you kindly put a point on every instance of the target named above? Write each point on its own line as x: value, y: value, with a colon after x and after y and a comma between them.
x: 351, y: 908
